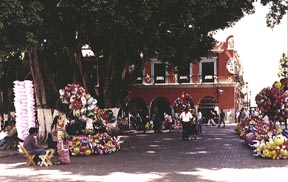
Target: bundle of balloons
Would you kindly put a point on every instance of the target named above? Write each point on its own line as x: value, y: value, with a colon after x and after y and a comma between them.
x: 24, y: 103
x: 81, y: 103
x: 185, y: 100
x: 99, y: 144
x: 266, y: 138
x: 274, y: 101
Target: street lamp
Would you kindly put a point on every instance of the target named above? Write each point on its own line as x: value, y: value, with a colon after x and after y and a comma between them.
x: 247, y: 95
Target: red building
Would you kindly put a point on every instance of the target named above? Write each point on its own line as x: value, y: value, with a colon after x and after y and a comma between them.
x: 214, y: 82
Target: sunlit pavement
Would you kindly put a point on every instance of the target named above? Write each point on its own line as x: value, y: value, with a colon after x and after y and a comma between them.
x: 217, y: 155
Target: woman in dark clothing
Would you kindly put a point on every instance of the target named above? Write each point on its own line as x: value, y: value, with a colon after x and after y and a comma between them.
x: 194, y: 130
x: 52, y: 136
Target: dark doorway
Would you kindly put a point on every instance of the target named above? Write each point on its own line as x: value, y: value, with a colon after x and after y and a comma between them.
x: 206, y: 104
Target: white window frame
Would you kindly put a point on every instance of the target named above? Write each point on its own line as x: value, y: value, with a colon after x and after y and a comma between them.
x: 208, y: 60
x: 189, y: 76
x: 156, y: 61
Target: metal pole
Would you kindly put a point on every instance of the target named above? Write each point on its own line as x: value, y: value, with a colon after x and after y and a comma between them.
x: 285, y: 120
x: 247, y: 96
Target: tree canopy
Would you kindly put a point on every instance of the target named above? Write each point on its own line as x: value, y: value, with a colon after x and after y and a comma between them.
x: 177, y: 31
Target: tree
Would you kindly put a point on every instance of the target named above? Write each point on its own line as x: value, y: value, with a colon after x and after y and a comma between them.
x: 278, y: 8
x: 51, y: 34
x: 118, y: 32
x: 283, y: 67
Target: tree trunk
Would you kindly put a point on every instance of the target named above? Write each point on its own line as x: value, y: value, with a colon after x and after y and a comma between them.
x: 37, y: 79
x: 45, y: 121
x: 40, y: 94
x: 78, y: 75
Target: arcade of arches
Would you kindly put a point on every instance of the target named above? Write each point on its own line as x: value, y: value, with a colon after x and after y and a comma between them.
x: 137, y: 104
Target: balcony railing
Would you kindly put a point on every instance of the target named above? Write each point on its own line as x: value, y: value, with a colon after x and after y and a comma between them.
x: 185, y: 79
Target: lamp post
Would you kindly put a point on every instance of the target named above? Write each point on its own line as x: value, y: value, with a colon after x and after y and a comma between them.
x: 249, y: 105
x: 247, y: 97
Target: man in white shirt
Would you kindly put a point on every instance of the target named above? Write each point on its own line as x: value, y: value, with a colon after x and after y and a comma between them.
x: 185, y: 118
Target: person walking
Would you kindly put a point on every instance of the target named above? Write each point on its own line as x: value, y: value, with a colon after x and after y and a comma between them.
x: 222, y: 116
x: 185, y: 118
x: 211, y: 118
x: 199, y: 121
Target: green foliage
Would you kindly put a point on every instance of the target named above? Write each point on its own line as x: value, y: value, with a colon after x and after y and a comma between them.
x: 175, y: 29
x: 283, y: 66
x: 19, y: 23
x: 278, y: 8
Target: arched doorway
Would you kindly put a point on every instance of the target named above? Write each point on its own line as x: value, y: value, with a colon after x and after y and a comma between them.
x: 136, y: 104
x: 206, y: 104
x: 162, y: 105
x: 137, y: 109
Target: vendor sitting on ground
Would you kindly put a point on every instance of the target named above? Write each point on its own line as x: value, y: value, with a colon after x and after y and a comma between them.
x: 10, y: 140
x: 31, y: 146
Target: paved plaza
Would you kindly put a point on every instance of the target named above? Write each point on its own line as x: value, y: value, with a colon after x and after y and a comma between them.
x: 217, y: 155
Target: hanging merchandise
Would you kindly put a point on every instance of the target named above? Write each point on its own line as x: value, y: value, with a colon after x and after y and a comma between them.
x: 185, y: 100
x: 84, y: 107
x: 81, y: 103
x: 273, y: 102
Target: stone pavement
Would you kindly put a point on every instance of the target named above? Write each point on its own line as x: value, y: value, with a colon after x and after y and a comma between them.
x: 217, y: 155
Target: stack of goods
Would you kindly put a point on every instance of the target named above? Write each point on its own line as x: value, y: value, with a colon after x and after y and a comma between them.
x: 256, y: 131
x: 266, y: 136
x: 100, y: 144
x: 24, y: 103
x: 274, y: 146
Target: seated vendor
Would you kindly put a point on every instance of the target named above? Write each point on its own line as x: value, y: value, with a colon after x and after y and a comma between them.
x: 10, y: 140
x: 31, y: 146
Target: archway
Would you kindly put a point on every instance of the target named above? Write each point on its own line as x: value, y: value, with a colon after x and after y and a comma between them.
x: 137, y: 109
x: 206, y: 104
x: 162, y: 105
x: 136, y: 104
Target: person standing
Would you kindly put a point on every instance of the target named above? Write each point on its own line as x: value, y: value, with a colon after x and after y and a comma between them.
x: 157, y: 120
x: 222, y: 116
x: 199, y: 121
x: 52, y: 136
x: 185, y: 118
x: 168, y: 121
x: 2, y: 122
x: 193, y: 123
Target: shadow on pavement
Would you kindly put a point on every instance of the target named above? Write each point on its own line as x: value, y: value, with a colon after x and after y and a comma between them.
x: 217, y: 155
